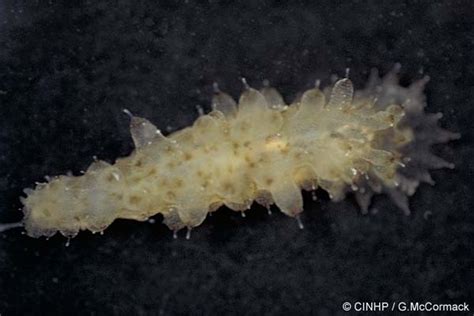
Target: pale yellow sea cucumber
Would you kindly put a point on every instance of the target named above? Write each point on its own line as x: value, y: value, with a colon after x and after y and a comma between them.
x: 376, y: 140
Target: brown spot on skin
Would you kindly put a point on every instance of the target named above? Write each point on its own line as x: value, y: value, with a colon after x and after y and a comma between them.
x: 244, y: 126
x: 117, y: 196
x: 228, y: 187
x: 170, y: 195
x: 179, y: 183
x: 269, y: 181
x: 333, y: 173
x: 187, y: 156
x: 200, y: 173
x: 347, y: 147
x: 171, y: 164
x: 285, y: 150
x: 264, y: 157
x: 391, y: 119
x: 235, y: 145
x: 134, y: 179
x: 401, y: 139
x: 134, y: 199
x: 247, y: 144
x: 138, y: 163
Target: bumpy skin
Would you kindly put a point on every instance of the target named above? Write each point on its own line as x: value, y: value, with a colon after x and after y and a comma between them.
x: 259, y: 150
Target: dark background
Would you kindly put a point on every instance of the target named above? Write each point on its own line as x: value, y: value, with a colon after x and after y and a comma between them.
x: 67, y: 71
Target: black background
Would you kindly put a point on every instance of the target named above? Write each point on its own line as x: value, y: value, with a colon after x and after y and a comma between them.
x: 66, y: 73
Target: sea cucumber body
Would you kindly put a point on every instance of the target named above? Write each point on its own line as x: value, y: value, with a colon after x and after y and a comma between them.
x: 259, y: 150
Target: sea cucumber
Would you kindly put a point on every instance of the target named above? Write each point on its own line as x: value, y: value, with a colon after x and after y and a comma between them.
x: 371, y: 141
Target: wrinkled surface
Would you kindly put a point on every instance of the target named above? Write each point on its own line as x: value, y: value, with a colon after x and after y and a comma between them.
x: 68, y: 71
x: 259, y: 150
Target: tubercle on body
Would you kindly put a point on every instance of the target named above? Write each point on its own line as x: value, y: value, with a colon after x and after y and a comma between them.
x: 259, y: 150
